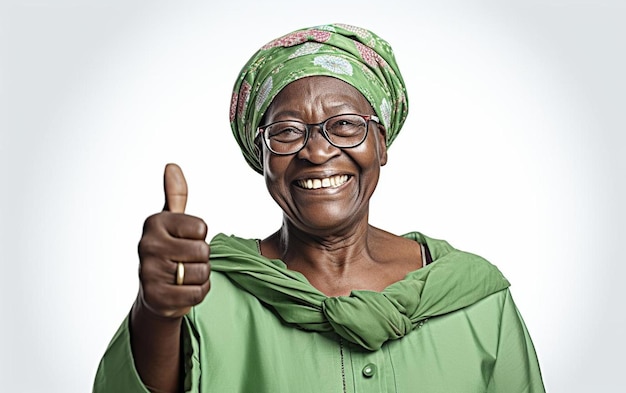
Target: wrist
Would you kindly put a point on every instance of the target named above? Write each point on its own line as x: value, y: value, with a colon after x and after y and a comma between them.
x: 143, y: 312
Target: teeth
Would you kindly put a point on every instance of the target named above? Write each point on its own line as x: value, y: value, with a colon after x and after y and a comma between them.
x: 314, y: 184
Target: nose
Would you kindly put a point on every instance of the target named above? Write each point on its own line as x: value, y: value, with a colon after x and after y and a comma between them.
x: 317, y: 149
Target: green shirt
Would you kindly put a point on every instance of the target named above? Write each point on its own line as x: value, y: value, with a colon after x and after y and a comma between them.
x: 449, y: 327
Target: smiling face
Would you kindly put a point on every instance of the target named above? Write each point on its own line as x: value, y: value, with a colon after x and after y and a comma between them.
x: 323, y: 190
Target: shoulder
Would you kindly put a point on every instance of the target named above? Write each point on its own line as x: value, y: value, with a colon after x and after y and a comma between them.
x: 437, y: 247
x: 441, y: 250
x: 223, y: 242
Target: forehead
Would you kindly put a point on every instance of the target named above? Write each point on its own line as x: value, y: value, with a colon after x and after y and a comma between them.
x: 319, y: 92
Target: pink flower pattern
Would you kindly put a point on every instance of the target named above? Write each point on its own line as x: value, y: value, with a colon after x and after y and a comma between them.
x: 299, y: 37
x: 370, y: 56
x: 244, y: 96
x: 233, y: 106
x: 360, y: 32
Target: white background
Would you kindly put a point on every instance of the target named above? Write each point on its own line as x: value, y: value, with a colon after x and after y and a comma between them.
x: 514, y: 149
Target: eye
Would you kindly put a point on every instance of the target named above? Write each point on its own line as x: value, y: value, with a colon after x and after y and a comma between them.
x: 285, y: 132
x: 346, y: 126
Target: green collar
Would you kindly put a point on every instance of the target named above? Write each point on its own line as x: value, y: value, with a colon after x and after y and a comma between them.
x: 454, y: 280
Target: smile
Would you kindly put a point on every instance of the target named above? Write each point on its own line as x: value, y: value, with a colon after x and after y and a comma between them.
x: 314, y: 184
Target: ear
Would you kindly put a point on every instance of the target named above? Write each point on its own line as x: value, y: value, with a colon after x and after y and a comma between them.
x: 382, y: 144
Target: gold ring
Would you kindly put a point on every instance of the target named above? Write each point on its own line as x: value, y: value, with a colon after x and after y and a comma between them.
x: 180, y: 273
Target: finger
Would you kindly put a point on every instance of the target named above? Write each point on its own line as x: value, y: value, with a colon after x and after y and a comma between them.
x: 171, y: 299
x: 186, y: 227
x: 173, y: 250
x: 177, y: 225
x: 185, y: 250
x: 193, y: 273
x: 161, y: 274
x: 175, y: 187
x: 188, y: 295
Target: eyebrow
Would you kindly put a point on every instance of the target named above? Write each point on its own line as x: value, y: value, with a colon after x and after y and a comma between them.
x: 288, y: 113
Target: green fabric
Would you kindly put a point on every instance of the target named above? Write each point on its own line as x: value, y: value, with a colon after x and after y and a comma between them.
x: 366, y: 318
x: 353, y: 54
x: 236, y: 343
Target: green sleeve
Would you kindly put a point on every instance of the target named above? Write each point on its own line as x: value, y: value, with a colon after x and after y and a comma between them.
x: 516, y: 368
x: 117, y: 374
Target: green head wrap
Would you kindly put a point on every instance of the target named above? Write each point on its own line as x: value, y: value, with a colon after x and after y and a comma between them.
x: 351, y: 54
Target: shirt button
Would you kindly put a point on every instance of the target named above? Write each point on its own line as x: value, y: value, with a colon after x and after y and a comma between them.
x: 369, y: 370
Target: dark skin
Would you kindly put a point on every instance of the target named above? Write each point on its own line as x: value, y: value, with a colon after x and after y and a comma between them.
x: 156, y: 316
x: 325, y: 233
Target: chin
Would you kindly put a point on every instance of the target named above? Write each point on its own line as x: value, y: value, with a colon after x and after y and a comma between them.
x: 328, y: 221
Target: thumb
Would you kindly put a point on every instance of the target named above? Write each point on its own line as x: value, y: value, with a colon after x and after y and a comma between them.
x: 175, y: 188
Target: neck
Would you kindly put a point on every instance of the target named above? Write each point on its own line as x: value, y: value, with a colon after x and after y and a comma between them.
x: 366, y: 258
x: 337, y: 259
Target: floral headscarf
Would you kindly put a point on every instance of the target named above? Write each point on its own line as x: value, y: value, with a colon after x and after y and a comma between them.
x: 352, y: 54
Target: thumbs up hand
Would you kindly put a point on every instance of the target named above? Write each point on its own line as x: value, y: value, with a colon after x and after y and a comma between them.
x: 174, y: 256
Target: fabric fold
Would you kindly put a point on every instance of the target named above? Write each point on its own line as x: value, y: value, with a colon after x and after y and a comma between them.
x: 454, y: 280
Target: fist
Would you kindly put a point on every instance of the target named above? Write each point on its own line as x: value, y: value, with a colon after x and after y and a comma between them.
x: 173, y: 253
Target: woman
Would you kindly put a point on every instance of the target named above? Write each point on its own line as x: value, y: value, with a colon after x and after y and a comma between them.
x: 327, y: 303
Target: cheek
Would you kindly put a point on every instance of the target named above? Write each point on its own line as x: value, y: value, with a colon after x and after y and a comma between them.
x: 271, y: 166
x: 274, y: 168
x: 369, y: 156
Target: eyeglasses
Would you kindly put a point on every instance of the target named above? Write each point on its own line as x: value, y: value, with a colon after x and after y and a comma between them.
x: 290, y: 136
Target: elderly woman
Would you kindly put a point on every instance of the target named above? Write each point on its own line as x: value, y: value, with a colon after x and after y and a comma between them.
x: 327, y: 303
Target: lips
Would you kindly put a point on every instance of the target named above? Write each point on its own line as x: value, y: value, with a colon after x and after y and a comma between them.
x: 326, y: 182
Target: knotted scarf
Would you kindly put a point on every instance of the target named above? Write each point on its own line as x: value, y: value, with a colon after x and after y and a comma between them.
x: 454, y: 280
x: 352, y: 54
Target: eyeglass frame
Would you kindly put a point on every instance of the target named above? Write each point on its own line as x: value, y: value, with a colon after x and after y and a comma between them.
x: 322, y: 127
